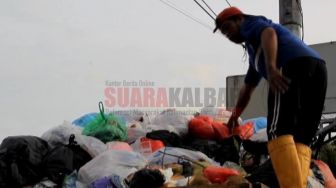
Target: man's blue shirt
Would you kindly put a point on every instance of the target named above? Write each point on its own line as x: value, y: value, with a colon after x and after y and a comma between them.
x: 289, y: 46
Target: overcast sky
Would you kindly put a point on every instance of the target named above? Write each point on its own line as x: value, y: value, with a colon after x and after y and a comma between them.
x: 55, y: 55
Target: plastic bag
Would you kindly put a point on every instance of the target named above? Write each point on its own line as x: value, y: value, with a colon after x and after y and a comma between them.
x: 147, y: 146
x: 232, y: 165
x: 70, y: 180
x: 258, y: 123
x: 204, y: 127
x: 217, y: 174
x: 106, y: 127
x: 61, y: 134
x: 173, y: 118
x: 134, y: 131
x: 45, y: 184
x: 246, y: 131
x: 201, y: 127
x: 261, y: 136
x: 117, y: 181
x: 116, y: 145
x: 218, y: 114
x: 150, y: 128
x: 84, y: 120
x: 221, y: 131
x: 133, y: 115
x: 104, y: 182
x: 170, y: 155
x: 91, y: 145
x: 121, y: 163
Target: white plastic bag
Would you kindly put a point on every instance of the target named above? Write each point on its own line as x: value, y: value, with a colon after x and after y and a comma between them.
x: 133, y: 115
x: 91, y: 145
x: 170, y: 128
x: 260, y: 136
x: 164, y: 156
x: 174, y: 118
x: 121, y: 163
x: 61, y: 134
x: 134, y: 131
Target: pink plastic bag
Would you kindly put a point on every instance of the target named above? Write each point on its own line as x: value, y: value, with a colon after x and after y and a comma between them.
x: 121, y: 146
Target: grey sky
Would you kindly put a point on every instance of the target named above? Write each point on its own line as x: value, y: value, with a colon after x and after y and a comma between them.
x: 55, y: 55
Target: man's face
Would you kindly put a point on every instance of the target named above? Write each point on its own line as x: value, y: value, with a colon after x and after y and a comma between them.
x: 231, y: 29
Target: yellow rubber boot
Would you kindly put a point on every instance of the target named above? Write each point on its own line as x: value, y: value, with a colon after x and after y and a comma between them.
x: 285, y: 161
x: 304, y: 154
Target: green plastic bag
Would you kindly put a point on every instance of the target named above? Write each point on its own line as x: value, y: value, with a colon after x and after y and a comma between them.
x: 106, y: 127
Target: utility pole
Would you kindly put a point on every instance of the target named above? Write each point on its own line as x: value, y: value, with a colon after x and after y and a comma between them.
x: 290, y: 16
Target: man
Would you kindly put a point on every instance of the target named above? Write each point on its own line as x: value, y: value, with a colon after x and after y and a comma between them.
x: 297, y: 79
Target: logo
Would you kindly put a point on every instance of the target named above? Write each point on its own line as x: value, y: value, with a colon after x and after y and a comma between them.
x: 145, y: 94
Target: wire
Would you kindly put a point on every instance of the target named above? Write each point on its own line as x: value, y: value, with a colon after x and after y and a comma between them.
x: 204, y: 9
x: 183, y: 157
x: 173, y: 6
x: 301, y: 12
x: 228, y: 3
x: 209, y: 7
x: 162, y: 160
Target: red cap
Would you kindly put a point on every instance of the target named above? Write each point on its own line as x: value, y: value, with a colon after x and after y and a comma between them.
x: 225, y: 15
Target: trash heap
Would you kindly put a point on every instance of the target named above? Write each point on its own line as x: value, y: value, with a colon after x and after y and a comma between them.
x: 134, y: 150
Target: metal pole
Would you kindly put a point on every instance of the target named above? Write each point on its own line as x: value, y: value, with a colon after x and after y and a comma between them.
x: 290, y: 16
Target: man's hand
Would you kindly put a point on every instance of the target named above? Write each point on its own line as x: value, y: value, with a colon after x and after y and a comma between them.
x: 277, y: 82
x: 232, y: 123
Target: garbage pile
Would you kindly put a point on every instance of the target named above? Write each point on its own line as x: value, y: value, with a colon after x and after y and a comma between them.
x: 132, y: 150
